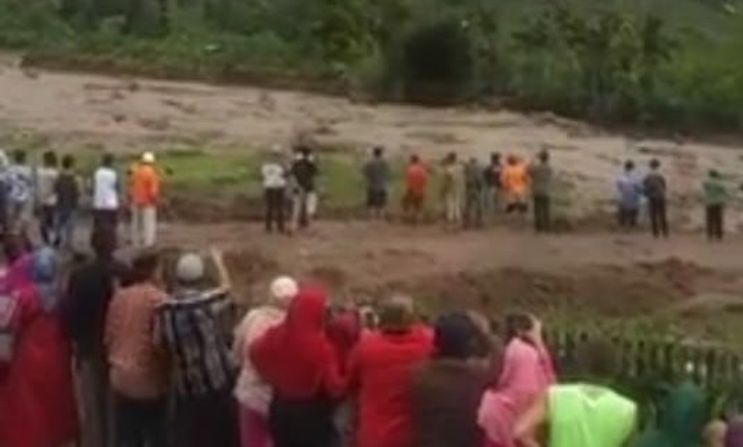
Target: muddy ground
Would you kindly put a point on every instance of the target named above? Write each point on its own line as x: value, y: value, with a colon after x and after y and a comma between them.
x: 684, y: 285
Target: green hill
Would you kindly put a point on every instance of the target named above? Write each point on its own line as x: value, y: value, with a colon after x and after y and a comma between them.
x: 671, y: 63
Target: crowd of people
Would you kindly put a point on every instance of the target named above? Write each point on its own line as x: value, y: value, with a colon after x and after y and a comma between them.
x: 470, y: 191
x: 112, y: 351
x: 53, y: 193
x: 115, y: 356
x: 47, y: 200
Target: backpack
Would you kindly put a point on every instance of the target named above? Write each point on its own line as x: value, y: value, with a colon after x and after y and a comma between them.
x: 8, y: 307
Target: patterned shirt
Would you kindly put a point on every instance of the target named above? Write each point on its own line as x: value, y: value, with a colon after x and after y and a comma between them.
x: 21, y: 183
x: 190, y: 328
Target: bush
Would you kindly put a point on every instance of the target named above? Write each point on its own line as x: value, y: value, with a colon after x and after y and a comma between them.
x: 25, y: 23
x: 437, y: 62
x: 650, y: 65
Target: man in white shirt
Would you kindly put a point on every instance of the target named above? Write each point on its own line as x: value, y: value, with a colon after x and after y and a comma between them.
x: 274, y: 185
x: 46, y: 196
x: 106, y: 195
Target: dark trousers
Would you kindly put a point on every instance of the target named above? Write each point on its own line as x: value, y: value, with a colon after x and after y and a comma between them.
x: 305, y: 423
x: 627, y: 217
x: 91, y: 373
x: 140, y: 423
x: 542, y: 213
x: 275, y: 208
x: 473, y: 208
x: 48, y: 222
x: 715, y: 222
x: 658, y: 217
x: 105, y: 219
x: 207, y: 421
x: 517, y: 207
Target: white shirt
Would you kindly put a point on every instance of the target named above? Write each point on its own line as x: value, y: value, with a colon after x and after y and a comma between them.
x: 46, y: 179
x: 273, y: 176
x: 105, y: 189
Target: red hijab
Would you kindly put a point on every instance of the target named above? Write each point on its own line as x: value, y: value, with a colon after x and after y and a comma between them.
x: 296, y: 357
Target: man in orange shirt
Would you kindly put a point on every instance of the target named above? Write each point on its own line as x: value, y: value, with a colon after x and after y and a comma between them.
x: 416, y: 181
x: 515, y: 182
x: 144, y: 193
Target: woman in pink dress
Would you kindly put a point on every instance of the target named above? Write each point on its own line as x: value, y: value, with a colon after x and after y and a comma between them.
x: 527, y: 373
x: 37, y: 403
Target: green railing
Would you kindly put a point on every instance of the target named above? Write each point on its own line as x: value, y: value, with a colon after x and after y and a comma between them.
x: 649, y: 365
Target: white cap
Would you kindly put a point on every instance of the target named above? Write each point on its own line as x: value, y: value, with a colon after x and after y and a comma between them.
x: 190, y: 268
x: 148, y: 157
x: 283, y: 290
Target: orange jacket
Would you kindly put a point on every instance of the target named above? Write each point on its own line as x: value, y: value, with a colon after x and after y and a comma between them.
x: 144, y: 187
x: 515, y: 179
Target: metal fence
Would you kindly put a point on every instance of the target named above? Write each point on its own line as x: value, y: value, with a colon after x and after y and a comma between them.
x: 648, y: 365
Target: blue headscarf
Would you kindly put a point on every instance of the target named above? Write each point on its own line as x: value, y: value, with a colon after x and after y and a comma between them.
x: 44, y: 274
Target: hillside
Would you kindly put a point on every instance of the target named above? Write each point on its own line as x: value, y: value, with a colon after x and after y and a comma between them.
x: 667, y: 63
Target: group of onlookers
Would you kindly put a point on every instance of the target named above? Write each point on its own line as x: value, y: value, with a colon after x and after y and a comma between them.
x: 52, y: 194
x: 141, y: 192
x: 131, y: 351
x: 469, y: 191
x: 653, y: 189
x: 294, y: 184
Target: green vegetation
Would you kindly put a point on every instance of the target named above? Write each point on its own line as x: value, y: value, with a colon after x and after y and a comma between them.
x: 671, y: 63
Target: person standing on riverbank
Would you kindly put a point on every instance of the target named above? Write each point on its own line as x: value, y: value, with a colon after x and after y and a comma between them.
x: 541, y: 179
x: 377, y: 176
x: 656, y: 191
x: 46, y: 197
x: 629, y: 189
x: 274, y: 176
x: 515, y: 180
x: 67, y: 188
x: 144, y: 196
x: 474, y: 187
x: 452, y: 190
x: 416, y: 183
x: 21, y: 193
x: 715, y: 199
x: 304, y: 174
x: 492, y: 178
x: 106, y: 200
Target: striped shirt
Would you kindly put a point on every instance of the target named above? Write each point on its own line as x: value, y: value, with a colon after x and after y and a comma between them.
x: 189, y: 327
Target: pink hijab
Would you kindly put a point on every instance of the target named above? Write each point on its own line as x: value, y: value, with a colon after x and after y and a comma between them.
x: 527, y: 373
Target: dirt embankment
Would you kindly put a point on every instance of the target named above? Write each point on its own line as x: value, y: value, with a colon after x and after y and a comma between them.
x: 685, y: 284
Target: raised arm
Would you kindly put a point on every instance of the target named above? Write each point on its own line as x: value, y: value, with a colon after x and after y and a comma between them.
x: 223, y: 275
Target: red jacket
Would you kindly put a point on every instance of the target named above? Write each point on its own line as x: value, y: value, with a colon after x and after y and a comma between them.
x: 382, y: 367
x: 37, y: 400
